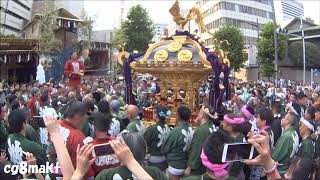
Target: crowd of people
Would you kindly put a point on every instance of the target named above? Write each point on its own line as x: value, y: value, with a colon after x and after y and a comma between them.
x: 60, y: 122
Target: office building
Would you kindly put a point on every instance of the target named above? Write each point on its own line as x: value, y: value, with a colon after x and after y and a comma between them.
x: 14, y: 15
x: 160, y: 30
x: 287, y: 10
x: 75, y: 7
x: 247, y: 15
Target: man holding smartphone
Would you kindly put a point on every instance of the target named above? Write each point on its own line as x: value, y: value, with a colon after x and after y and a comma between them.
x: 104, y: 159
x: 72, y: 137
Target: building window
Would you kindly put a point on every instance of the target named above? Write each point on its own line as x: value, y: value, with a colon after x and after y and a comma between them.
x: 231, y: 7
x: 263, y: 1
x: 235, y: 22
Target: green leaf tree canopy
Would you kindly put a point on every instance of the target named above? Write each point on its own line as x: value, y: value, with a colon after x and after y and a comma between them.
x: 235, y: 50
x: 138, y: 29
x: 119, y: 38
x: 47, y: 40
x: 295, y: 53
x: 266, y: 51
x: 85, y: 31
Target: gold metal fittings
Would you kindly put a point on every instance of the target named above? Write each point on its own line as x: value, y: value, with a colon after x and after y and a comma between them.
x: 174, y: 47
x: 161, y: 56
x: 185, y: 55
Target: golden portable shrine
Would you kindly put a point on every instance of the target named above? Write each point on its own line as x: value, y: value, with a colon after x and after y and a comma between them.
x: 180, y: 62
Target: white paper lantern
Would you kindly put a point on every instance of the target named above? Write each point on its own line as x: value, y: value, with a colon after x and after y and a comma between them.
x: 19, y: 58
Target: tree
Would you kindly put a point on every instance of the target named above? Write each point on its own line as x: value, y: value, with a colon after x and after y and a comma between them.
x: 85, y: 31
x: 295, y: 53
x: 47, y: 40
x: 138, y: 29
x: 266, y: 50
x: 119, y: 38
x: 8, y: 35
x: 235, y: 50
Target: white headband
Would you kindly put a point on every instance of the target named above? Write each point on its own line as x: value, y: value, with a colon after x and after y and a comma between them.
x: 290, y: 107
x: 307, y: 123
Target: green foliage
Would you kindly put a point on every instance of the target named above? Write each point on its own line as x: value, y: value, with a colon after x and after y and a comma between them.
x: 138, y: 29
x: 85, y: 31
x: 119, y: 38
x: 8, y: 36
x: 47, y: 41
x: 266, y: 51
x: 235, y: 50
x: 295, y: 53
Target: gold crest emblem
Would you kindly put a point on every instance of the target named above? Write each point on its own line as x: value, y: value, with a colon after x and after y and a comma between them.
x: 161, y: 56
x: 185, y: 55
x: 174, y: 47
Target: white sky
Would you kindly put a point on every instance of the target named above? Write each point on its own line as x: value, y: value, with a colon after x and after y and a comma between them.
x: 106, y: 13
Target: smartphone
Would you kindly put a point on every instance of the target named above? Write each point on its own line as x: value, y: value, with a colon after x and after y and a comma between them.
x: 39, y: 121
x: 102, y: 150
x: 233, y: 152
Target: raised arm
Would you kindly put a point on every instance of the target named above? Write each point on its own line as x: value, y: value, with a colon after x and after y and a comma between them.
x: 126, y: 158
x: 61, y: 150
x: 261, y: 144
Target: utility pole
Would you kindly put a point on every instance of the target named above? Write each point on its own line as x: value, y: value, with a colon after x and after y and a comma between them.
x: 304, y: 51
x: 311, y: 78
x: 258, y: 28
x: 285, y: 32
x: 121, y: 10
x: 275, y: 45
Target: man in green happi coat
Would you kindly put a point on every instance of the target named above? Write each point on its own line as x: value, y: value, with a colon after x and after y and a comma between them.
x: 156, y: 135
x: 87, y: 125
x: 31, y: 133
x: 18, y: 144
x: 306, y: 148
x: 316, y: 140
x: 316, y: 135
x: 123, y: 173
x: 211, y: 157
x: 232, y: 125
x: 3, y: 130
x: 117, y: 113
x: 135, y: 125
x: 178, y: 143
x: 201, y: 133
x: 144, y: 101
x: 287, y: 144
